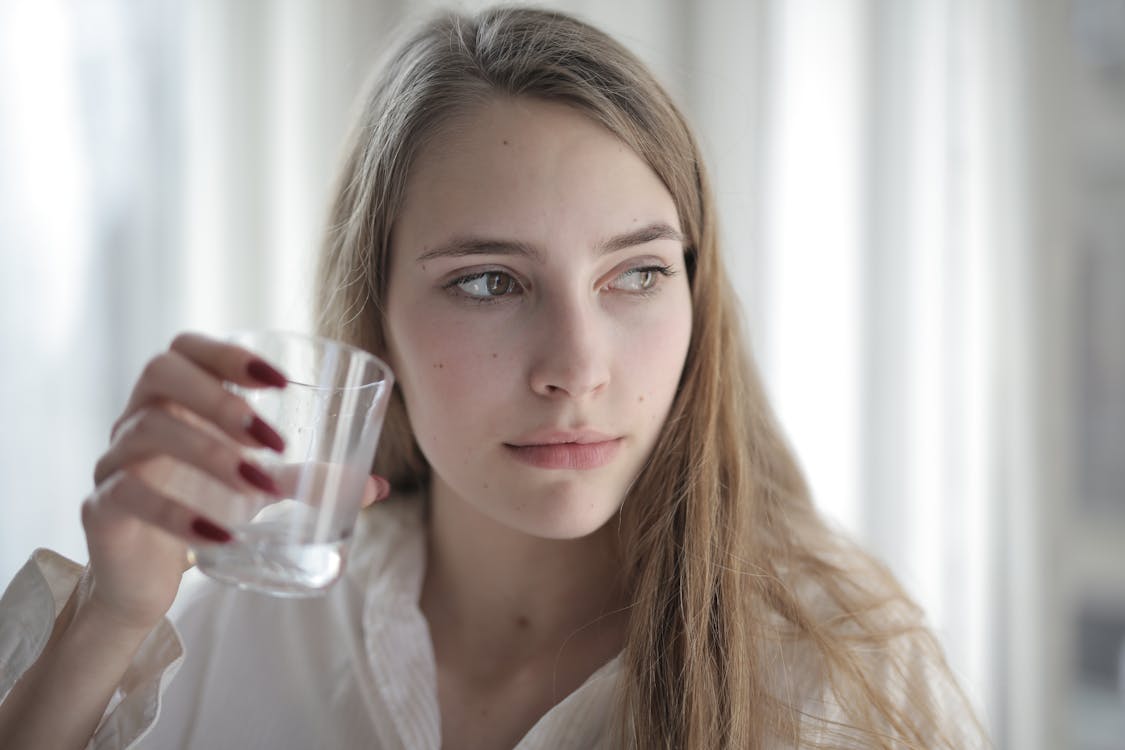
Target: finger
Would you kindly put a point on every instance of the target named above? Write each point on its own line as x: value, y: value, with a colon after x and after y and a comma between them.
x: 125, y: 494
x: 383, y: 488
x: 228, y: 361
x: 154, y: 431
x: 370, y: 492
x: 375, y: 489
x: 173, y: 378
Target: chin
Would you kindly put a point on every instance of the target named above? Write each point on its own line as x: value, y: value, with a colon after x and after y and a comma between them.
x: 558, y: 518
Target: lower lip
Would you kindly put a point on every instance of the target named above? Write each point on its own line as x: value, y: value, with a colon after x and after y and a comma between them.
x: 567, y: 455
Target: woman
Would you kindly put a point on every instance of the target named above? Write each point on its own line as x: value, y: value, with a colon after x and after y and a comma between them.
x: 596, y: 536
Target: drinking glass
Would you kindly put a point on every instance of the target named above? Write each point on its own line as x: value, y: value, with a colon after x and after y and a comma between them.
x: 330, y: 414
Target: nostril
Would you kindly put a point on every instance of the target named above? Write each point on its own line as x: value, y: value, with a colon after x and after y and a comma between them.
x: 553, y: 389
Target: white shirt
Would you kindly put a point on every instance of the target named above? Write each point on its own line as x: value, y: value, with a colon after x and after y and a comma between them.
x: 229, y: 668
x: 355, y: 668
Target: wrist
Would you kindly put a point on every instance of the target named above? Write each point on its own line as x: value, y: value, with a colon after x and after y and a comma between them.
x: 87, y: 622
x: 94, y: 623
x: 59, y: 700
x: 100, y: 610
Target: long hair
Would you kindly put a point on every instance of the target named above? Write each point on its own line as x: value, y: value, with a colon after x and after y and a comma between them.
x: 751, y: 622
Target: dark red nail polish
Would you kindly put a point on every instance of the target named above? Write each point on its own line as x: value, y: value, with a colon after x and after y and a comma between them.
x: 265, y: 374
x: 265, y: 434
x: 258, y: 478
x: 204, y: 528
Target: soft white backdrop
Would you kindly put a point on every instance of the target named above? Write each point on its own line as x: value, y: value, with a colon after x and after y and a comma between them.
x: 164, y: 165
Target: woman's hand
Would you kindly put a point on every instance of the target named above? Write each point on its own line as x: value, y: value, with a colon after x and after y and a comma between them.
x: 178, y: 412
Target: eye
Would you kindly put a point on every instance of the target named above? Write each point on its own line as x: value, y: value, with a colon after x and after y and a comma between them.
x: 641, y: 279
x: 486, y: 285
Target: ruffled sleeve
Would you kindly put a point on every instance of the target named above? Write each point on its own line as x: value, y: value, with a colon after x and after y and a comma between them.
x: 28, y: 610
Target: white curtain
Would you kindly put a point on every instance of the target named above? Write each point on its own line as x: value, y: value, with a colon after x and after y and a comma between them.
x: 166, y: 166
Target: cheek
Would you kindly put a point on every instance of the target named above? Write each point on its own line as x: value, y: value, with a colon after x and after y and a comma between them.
x: 654, y: 358
x: 447, y: 367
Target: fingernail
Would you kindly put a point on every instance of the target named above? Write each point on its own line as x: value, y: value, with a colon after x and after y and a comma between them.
x: 265, y: 374
x: 258, y: 478
x: 265, y: 434
x: 209, y: 531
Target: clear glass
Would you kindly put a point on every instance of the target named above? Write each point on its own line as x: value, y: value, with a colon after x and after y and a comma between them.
x: 330, y: 415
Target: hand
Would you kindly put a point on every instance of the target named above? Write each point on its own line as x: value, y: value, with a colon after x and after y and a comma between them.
x: 178, y: 414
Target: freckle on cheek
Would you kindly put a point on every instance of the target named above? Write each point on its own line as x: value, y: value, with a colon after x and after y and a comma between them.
x: 640, y: 399
x: 494, y: 355
x: 439, y: 366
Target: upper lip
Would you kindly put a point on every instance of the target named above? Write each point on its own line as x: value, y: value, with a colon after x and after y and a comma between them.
x: 553, y: 436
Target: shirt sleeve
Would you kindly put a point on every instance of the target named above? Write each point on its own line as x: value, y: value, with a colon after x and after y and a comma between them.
x: 28, y: 610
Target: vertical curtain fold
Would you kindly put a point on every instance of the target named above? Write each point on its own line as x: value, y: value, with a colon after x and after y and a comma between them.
x: 867, y: 160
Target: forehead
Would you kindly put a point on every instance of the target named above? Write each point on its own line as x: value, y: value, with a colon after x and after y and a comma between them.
x: 528, y: 168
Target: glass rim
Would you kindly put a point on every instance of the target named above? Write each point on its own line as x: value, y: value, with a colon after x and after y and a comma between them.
x: 354, y: 351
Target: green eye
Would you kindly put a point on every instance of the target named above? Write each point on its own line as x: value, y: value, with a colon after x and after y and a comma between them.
x: 645, y: 279
x: 641, y: 279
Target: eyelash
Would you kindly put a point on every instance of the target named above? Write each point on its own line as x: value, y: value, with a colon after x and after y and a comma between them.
x: 452, y: 286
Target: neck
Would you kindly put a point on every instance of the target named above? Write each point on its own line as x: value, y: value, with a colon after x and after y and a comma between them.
x: 504, y: 600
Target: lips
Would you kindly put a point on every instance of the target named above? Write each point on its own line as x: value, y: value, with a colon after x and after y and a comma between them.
x: 554, y: 449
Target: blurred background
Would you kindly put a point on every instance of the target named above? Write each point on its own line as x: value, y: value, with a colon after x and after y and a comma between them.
x: 923, y: 206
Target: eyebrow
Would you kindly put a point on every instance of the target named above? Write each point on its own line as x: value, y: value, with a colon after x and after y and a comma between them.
x: 469, y: 245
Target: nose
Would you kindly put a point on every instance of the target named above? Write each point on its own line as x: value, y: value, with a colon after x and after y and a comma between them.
x: 572, y: 350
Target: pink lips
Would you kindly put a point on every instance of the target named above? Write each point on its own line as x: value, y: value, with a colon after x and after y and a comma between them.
x: 565, y: 450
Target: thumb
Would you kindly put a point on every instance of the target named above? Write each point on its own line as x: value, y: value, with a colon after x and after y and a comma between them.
x: 376, y: 488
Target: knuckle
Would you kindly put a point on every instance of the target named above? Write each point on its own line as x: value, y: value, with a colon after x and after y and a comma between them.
x: 144, y: 424
x: 106, y: 497
x: 216, y: 455
x: 102, y: 469
x: 154, y: 368
x: 229, y: 408
x: 87, y: 511
x: 135, y: 428
x: 164, y: 515
x: 127, y: 429
x: 181, y: 341
x: 119, y: 427
x: 114, y: 486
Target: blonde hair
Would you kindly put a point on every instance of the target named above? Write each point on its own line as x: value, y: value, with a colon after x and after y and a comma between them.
x: 740, y: 591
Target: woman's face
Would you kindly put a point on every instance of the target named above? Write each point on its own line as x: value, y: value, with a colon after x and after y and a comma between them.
x: 538, y: 315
